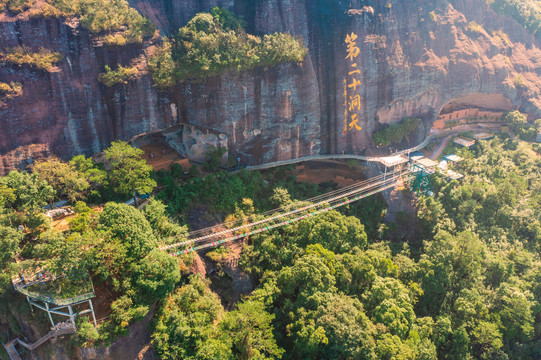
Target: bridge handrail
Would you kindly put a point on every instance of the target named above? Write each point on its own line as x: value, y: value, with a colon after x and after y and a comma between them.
x: 338, y: 156
x: 55, y: 301
x: 46, y: 337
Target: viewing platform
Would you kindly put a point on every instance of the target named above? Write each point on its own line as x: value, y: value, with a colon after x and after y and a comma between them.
x: 56, y: 295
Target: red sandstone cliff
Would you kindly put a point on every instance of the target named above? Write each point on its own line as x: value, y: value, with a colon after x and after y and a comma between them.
x: 410, y: 64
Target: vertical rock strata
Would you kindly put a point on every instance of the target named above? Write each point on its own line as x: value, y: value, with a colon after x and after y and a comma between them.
x: 411, y: 63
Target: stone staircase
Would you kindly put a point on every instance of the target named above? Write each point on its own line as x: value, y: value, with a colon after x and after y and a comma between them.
x: 14, y: 355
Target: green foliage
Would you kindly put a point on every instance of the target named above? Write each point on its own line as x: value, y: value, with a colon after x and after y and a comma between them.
x: 213, y: 43
x: 162, y: 226
x: 214, y: 156
x: 218, y: 254
x: 185, y: 325
x: 87, y: 334
x: 66, y: 181
x: 119, y: 76
x: 527, y: 13
x: 250, y: 329
x: 10, y: 90
x: 108, y: 15
x: 518, y: 121
x: 395, y: 133
x: 29, y: 192
x: 123, y: 312
x: 162, y: 66
x: 129, y: 226
x: 129, y: 172
x: 10, y: 239
x: 475, y: 29
x: 43, y: 59
x: 16, y: 6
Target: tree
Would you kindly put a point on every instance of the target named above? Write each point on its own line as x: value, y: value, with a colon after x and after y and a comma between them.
x: 389, y: 303
x: 65, y: 179
x: 185, y: 326
x: 156, y: 274
x: 128, y: 225
x: 250, y: 329
x: 31, y: 192
x: 10, y: 240
x: 7, y: 195
x: 95, y: 176
x: 129, y: 172
x: 160, y: 223
x: 350, y: 333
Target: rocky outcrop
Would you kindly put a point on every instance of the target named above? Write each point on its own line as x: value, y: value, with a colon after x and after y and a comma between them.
x: 414, y: 59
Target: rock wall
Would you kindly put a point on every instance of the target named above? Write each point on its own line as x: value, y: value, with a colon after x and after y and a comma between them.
x: 411, y: 63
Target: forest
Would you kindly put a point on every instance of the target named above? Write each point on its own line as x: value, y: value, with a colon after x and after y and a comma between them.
x: 466, y: 284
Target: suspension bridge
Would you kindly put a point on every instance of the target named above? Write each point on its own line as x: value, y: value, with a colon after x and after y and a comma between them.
x: 227, y: 232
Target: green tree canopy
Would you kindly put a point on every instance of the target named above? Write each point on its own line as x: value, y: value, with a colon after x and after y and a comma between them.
x: 129, y: 172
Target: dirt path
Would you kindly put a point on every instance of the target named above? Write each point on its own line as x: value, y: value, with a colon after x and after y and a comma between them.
x: 135, y: 345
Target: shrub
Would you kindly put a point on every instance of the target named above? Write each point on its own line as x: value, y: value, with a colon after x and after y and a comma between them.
x: 475, y: 29
x: 395, y: 132
x: 218, y: 254
x: 95, y: 15
x: 527, y: 13
x: 109, y: 15
x: 119, y: 76
x: 16, y: 6
x: 162, y: 66
x: 213, y: 43
x: 10, y: 90
x: 46, y: 11
x: 44, y: 59
x: 115, y: 40
x: 500, y: 35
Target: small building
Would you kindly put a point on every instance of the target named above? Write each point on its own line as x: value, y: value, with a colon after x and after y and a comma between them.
x: 465, y: 142
x: 453, y: 158
x: 538, y: 139
x: 427, y: 163
x: 483, y: 136
x: 391, y: 161
x: 453, y: 175
x: 416, y: 155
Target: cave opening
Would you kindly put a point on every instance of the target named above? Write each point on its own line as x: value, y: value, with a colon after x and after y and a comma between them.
x: 472, y: 111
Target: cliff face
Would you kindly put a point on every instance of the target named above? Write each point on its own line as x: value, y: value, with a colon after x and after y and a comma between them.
x: 411, y: 63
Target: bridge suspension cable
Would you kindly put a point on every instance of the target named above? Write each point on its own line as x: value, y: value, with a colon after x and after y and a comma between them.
x: 316, y: 201
x: 231, y: 224
x: 327, y: 202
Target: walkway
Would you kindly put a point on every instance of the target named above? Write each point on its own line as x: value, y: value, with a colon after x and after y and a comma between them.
x: 437, y: 152
x: 14, y: 355
x: 338, y: 156
x: 236, y: 230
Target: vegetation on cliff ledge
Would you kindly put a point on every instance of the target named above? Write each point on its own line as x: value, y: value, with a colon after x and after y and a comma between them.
x: 43, y: 59
x: 119, y: 76
x: 98, y: 16
x: 15, y: 6
x: 395, y: 133
x: 10, y: 90
x: 526, y: 12
x: 213, y: 43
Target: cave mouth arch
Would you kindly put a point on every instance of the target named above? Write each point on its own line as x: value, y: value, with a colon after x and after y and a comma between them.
x: 471, y: 108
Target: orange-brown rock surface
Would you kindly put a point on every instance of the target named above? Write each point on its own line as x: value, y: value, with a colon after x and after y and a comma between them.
x: 411, y: 63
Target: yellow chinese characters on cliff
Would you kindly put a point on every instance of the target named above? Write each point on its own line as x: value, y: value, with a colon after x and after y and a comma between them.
x: 352, y: 100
